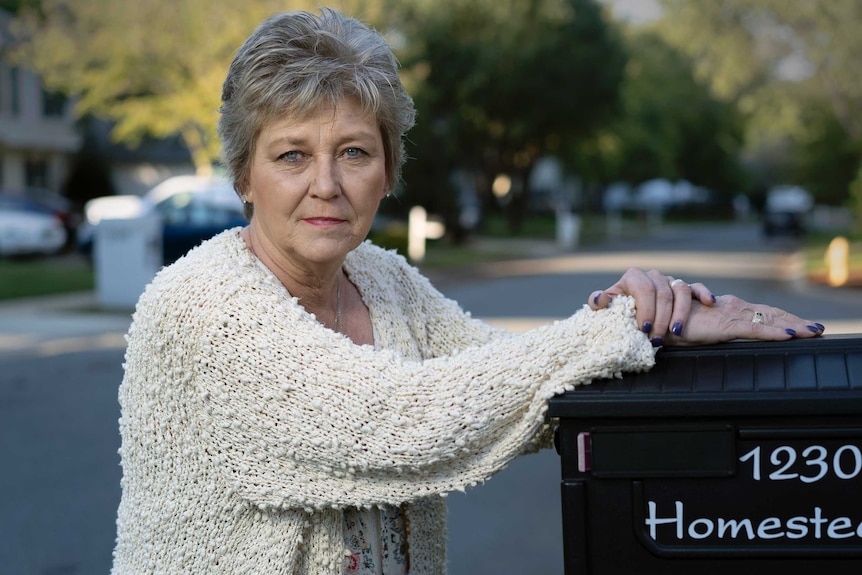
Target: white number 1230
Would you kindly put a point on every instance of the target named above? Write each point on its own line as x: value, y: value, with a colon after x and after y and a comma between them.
x: 846, y: 463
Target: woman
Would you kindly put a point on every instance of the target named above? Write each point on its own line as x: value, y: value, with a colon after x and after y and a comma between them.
x: 298, y: 401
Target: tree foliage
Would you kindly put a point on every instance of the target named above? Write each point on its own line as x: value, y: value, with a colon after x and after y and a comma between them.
x: 154, y: 68
x: 791, y: 68
x: 14, y: 6
x: 499, y: 83
x: 671, y: 125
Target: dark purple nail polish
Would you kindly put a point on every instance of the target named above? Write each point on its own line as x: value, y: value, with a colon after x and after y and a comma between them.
x: 657, y: 342
x: 596, y: 298
x: 814, y: 329
x: 677, y: 328
x: 790, y: 331
x: 647, y: 327
x: 712, y: 296
x: 820, y: 326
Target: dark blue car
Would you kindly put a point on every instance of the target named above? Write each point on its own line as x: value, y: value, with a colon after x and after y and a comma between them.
x: 192, y: 209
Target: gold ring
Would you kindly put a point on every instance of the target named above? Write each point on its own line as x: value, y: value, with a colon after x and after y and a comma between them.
x: 758, y: 317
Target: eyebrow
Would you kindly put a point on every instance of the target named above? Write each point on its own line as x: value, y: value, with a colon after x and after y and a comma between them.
x: 298, y: 140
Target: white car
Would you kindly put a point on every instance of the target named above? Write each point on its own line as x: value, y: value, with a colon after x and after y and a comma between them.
x: 191, y: 209
x: 26, y: 229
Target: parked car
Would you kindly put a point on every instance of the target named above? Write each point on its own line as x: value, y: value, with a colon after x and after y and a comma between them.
x: 57, y: 204
x: 785, y: 211
x: 28, y: 228
x: 191, y: 208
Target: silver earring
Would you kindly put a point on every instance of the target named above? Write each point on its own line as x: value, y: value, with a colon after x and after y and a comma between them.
x: 244, y: 198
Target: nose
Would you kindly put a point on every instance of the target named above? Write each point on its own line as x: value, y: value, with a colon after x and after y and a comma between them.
x: 326, y: 183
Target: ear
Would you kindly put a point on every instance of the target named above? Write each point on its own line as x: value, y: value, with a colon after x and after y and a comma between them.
x: 245, y: 192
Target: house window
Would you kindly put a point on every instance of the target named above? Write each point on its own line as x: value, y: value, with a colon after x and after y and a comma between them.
x: 4, y: 86
x: 53, y: 104
x: 36, y: 173
x: 14, y: 97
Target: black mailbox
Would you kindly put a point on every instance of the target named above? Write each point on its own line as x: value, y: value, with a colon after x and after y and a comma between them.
x: 740, y: 458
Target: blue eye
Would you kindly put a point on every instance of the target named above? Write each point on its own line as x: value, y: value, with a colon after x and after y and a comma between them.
x: 290, y: 156
x: 352, y: 152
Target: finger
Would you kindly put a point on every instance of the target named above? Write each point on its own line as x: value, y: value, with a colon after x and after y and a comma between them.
x: 634, y: 282
x: 803, y: 327
x: 643, y: 287
x: 599, y: 299
x: 778, y: 319
x: 702, y: 294
x: 664, y: 302
x: 765, y: 332
x: 682, y: 294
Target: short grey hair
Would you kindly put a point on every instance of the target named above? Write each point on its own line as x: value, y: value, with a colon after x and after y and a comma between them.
x: 295, y: 62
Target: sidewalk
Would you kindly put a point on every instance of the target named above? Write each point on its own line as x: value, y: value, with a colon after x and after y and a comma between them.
x: 60, y: 324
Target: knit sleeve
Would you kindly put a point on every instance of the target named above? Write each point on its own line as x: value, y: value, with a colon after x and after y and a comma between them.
x: 300, y: 417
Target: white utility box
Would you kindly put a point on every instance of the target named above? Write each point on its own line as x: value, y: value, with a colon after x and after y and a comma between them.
x: 127, y: 254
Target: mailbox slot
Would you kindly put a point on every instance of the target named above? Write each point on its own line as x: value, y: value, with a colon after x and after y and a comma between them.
x: 662, y: 452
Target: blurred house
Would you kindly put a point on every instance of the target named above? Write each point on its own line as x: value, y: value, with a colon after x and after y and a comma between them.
x: 37, y: 128
x: 40, y: 139
x: 136, y: 170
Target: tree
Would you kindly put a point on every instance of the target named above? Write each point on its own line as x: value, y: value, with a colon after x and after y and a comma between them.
x: 153, y: 68
x: 827, y: 158
x: 14, y: 6
x: 777, y: 61
x: 501, y: 83
x: 670, y: 126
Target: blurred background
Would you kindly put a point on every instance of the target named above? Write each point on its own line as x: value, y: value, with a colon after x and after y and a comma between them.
x: 568, y: 119
x: 557, y: 143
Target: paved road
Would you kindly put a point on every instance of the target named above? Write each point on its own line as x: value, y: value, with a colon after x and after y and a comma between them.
x: 60, y: 365
x: 60, y: 470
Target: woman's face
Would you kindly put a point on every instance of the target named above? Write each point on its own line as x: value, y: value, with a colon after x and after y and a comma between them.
x: 316, y: 183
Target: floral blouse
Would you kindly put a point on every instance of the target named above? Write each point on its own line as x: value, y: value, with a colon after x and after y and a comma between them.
x: 377, y: 541
x: 376, y: 538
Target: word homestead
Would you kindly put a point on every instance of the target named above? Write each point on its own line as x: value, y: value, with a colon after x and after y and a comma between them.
x: 813, y: 524
x: 816, y: 468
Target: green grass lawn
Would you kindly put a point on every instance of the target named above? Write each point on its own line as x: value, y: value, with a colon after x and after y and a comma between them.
x: 36, y: 277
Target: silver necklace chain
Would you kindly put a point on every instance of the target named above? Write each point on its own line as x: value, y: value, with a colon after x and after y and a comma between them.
x: 338, y: 302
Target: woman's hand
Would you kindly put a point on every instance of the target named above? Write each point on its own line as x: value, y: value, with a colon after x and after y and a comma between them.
x: 674, y: 312
x: 663, y: 303
x: 734, y: 318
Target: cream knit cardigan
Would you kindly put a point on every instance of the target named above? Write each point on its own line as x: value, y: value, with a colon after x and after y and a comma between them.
x: 247, y: 427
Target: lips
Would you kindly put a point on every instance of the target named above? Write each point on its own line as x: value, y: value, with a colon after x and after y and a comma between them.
x: 323, y: 221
